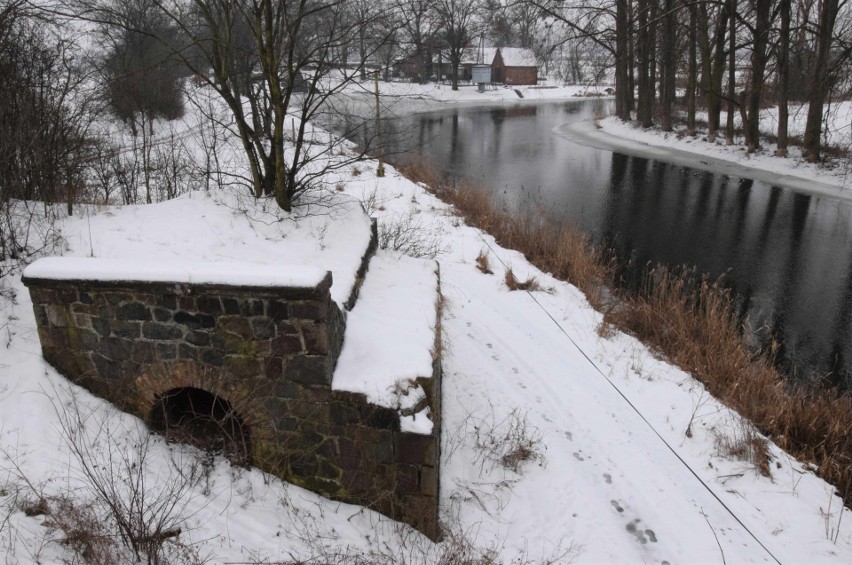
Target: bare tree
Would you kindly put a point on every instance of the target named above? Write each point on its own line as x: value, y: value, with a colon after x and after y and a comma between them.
x: 275, y: 65
x: 827, y: 64
x: 782, y: 87
x: 459, y: 24
x: 420, y: 26
x: 141, y: 76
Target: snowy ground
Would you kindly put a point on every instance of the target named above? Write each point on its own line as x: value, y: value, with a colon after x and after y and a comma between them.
x: 626, y: 465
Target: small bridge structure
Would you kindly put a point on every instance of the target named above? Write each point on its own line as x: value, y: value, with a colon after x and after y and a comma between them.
x: 241, y: 359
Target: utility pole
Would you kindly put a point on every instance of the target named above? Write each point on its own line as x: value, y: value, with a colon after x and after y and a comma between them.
x: 380, y: 171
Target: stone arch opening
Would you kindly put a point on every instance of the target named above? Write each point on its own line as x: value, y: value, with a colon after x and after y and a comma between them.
x: 200, y: 418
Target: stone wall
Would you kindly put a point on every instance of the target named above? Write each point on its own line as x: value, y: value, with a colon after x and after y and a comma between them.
x: 269, y: 353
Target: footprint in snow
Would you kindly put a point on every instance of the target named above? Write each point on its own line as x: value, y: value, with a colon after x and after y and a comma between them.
x: 569, y: 435
x: 617, y: 506
x: 642, y: 535
x: 578, y: 457
x: 489, y: 346
x: 515, y: 370
x: 608, y: 478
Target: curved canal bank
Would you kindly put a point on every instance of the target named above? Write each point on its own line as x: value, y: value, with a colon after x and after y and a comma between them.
x: 785, y: 253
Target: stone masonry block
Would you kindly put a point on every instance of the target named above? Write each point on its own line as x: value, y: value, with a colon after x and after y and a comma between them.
x: 133, y: 311
x: 198, y: 338
x: 40, y: 315
x: 407, y: 479
x: 415, y: 449
x: 236, y: 324
x: 227, y: 342
x: 58, y: 315
x: 286, y: 345
x: 429, y: 481
x: 209, y: 305
x: 116, y: 349
x: 316, y: 338
x: 161, y: 331
x: 243, y: 366
x: 67, y: 295
x: 273, y: 367
x: 52, y: 338
x: 83, y: 339
x: 231, y: 306
x: 126, y: 329
x: 262, y: 328
x: 194, y: 320
x: 309, y: 310
x: 309, y: 370
x: 252, y: 307
x: 167, y: 300
x: 101, y: 326
x: 277, y: 310
x: 211, y: 357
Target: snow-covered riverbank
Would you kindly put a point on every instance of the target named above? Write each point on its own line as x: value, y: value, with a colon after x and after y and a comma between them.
x: 833, y: 179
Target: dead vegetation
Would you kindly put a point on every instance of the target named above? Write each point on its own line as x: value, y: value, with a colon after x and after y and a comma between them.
x: 529, y: 285
x: 483, y: 263
x: 117, y: 505
x: 408, y: 235
x: 742, y: 442
x: 509, y: 441
x: 684, y: 318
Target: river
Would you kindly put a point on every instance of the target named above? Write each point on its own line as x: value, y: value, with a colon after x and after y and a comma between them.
x: 786, y: 255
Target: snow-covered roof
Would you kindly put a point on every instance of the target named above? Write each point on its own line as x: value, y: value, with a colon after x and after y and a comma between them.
x: 512, y: 56
x: 518, y: 57
x: 175, y: 271
x: 471, y: 56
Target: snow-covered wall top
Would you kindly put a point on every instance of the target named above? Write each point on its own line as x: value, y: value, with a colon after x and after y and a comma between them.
x: 170, y: 271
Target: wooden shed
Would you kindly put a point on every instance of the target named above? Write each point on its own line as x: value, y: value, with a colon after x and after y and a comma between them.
x: 514, y: 65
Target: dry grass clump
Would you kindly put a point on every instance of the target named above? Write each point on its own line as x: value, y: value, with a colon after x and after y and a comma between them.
x: 509, y: 442
x: 483, y: 263
x: 530, y: 285
x: 742, y: 442
x: 688, y: 320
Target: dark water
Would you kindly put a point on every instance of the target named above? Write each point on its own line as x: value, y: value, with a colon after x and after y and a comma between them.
x: 787, y: 255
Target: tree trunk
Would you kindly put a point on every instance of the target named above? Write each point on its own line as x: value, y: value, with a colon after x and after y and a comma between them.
x: 692, y: 73
x: 631, y: 59
x: 653, y: 15
x: 758, y: 66
x: 644, y: 40
x: 622, y: 106
x: 820, y: 81
x: 732, y: 73
x: 669, y: 65
x: 783, y: 78
x: 714, y: 83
